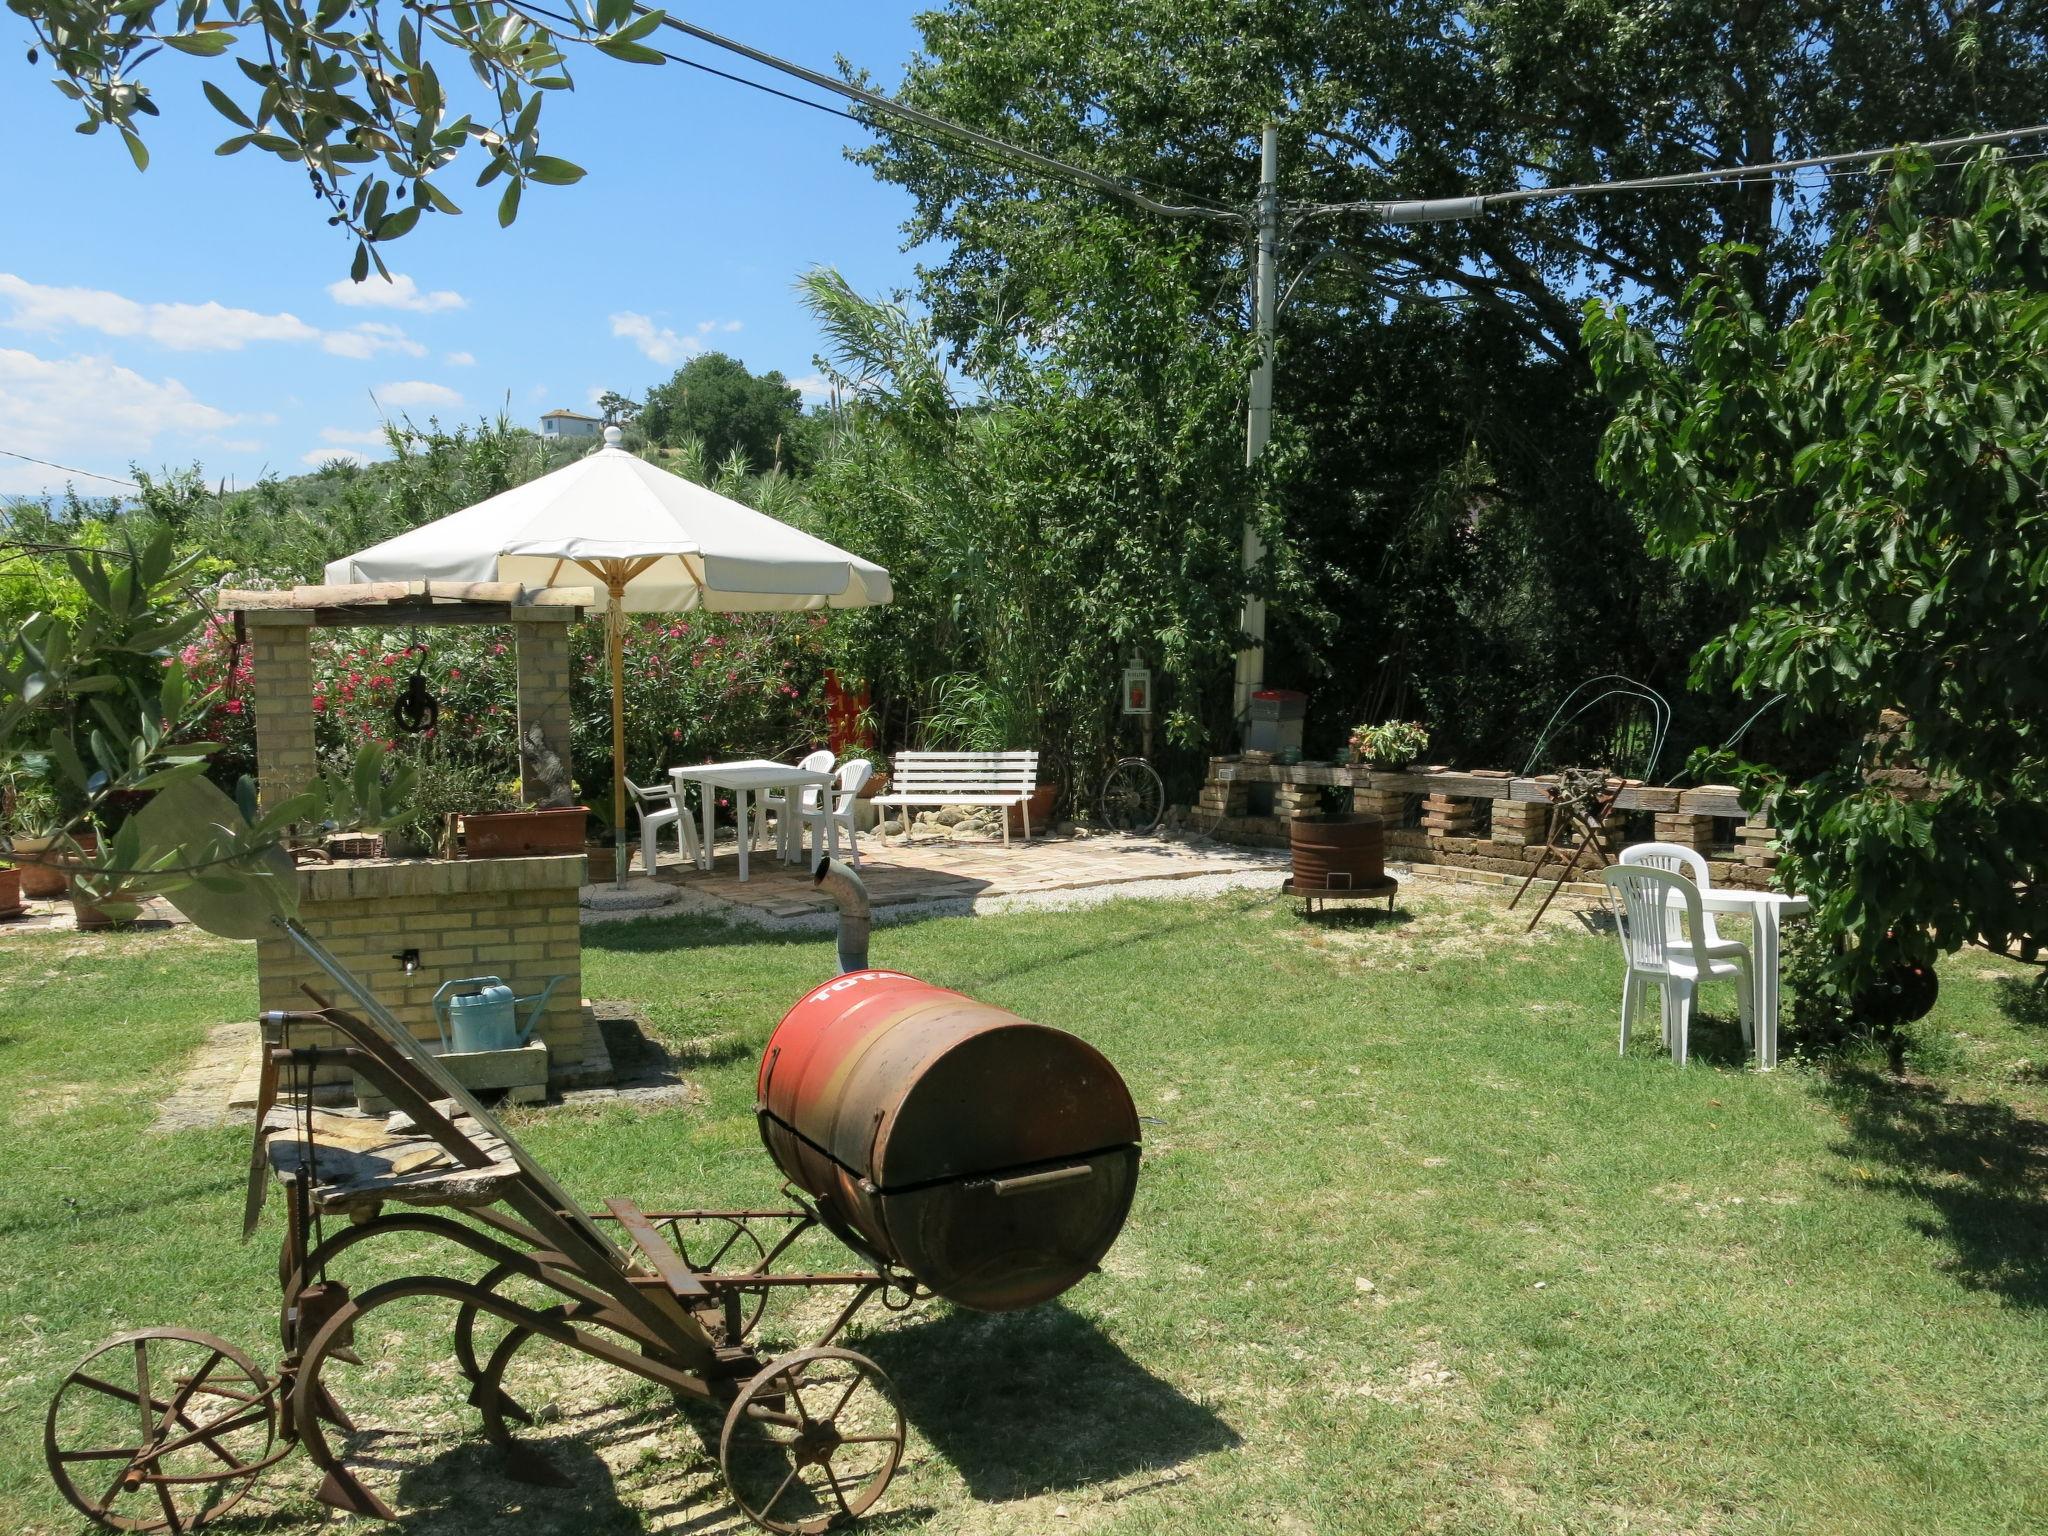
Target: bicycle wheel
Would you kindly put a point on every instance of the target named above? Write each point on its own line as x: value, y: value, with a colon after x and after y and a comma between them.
x: 1133, y: 798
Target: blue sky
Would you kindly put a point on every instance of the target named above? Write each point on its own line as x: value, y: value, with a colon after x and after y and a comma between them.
x: 703, y: 202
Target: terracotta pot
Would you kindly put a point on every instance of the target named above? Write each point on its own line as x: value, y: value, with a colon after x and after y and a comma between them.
x: 91, y: 916
x: 1042, y: 800
x: 1345, y: 851
x: 524, y: 834
x: 877, y: 782
x: 41, y: 881
x: 10, y: 890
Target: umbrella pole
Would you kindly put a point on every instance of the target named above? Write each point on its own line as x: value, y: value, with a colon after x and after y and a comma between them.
x: 615, y: 625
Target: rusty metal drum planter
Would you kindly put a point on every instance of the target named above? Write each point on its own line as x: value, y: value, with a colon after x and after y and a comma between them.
x: 1338, y: 856
x: 991, y: 1158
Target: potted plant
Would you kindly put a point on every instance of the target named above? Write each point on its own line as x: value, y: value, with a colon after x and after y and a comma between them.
x: 1391, y: 746
x: 555, y: 826
x: 30, y: 822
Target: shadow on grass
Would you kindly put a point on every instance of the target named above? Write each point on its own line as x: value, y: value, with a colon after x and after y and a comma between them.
x: 68, y: 1214
x: 1977, y: 1169
x: 1349, y: 915
x: 1023, y: 1403
x: 2024, y: 1002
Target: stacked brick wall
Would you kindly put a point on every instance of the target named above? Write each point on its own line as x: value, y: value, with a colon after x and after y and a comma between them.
x: 512, y: 918
x: 1504, y: 838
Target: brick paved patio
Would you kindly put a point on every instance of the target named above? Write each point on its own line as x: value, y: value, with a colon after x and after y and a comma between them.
x: 933, y: 870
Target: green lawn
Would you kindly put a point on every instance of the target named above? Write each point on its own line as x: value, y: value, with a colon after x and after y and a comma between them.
x: 1413, y: 1250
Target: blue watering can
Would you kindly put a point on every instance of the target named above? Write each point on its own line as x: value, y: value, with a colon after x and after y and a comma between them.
x: 486, y: 1017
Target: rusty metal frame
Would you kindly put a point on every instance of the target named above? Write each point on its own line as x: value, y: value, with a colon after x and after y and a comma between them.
x: 648, y: 1309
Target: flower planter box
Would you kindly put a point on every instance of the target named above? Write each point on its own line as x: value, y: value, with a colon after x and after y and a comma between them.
x: 524, y: 834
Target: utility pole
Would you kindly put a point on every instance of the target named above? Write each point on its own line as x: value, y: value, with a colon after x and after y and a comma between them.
x: 1258, y: 424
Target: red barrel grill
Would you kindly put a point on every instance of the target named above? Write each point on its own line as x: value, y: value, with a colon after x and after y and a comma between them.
x: 991, y: 1158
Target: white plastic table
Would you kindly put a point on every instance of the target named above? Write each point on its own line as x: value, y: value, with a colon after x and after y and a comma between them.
x: 1765, y: 909
x: 749, y: 777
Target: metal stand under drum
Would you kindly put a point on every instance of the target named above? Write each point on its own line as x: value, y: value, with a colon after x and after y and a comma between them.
x: 1371, y: 891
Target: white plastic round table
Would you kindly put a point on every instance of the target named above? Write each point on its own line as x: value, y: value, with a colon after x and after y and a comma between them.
x: 1766, y: 910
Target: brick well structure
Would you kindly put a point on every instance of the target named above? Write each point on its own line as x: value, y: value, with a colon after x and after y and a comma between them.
x: 516, y: 918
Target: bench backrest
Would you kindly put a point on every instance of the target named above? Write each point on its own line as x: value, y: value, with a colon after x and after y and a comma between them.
x: 967, y: 773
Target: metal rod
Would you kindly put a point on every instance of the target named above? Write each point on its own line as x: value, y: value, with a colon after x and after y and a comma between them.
x: 851, y: 896
x: 1258, y: 421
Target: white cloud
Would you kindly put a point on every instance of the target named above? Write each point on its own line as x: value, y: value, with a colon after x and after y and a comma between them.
x: 371, y: 437
x: 814, y: 387
x: 237, y: 444
x: 397, y: 292
x: 407, y: 392
x: 460, y: 359
x: 657, y: 342
x: 706, y: 327
x: 92, y: 412
x: 207, y: 327
x: 321, y: 457
x: 369, y: 339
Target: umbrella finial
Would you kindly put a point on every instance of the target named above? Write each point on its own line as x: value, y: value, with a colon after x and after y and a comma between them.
x: 613, y: 437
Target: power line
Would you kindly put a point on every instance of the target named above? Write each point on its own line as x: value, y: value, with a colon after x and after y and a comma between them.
x: 996, y: 158
x: 932, y: 122
x: 1437, y: 210
x: 676, y: 58
x: 88, y: 474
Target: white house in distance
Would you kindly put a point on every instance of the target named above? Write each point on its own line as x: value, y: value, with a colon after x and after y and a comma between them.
x: 570, y: 424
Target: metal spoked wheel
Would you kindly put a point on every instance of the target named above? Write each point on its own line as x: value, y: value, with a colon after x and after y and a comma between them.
x: 812, y: 1439
x: 733, y: 1249
x: 1133, y: 798
x: 160, y: 1430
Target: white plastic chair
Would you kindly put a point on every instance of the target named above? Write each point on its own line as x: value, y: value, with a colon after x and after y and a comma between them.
x: 658, y: 809
x: 823, y: 822
x: 1680, y: 860
x: 1655, y: 912
x: 775, y: 802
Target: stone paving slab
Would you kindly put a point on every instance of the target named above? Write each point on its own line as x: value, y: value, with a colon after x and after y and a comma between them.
x: 933, y: 870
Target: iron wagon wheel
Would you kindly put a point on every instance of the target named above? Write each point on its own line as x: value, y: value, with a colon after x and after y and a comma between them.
x: 343, y: 1489
x: 805, y: 1430
x: 466, y: 1316
x: 502, y: 1409
x: 739, y: 1252
x: 185, y: 1421
x: 1133, y: 797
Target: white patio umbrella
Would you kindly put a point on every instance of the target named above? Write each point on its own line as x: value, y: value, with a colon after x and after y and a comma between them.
x: 655, y: 542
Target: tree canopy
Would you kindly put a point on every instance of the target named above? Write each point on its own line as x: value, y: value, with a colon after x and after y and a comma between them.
x: 376, y: 113
x: 1866, y: 482
x: 1461, y: 560
x: 715, y: 399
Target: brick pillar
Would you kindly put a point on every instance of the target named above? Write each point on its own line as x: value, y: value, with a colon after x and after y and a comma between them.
x: 1757, y: 845
x: 544, y: 696
x: 1290, y: 800
x: 1520, y: 823
x: 1222, y: 797
x: 1445, y: 816
x: 281, y: 687
x: 1390, y: 803
x: 1695, y: 832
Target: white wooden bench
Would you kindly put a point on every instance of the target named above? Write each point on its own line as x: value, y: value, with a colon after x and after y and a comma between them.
x: 963, y: 778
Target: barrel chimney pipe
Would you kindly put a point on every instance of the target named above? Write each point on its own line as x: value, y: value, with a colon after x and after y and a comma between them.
x: 846, y: 890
